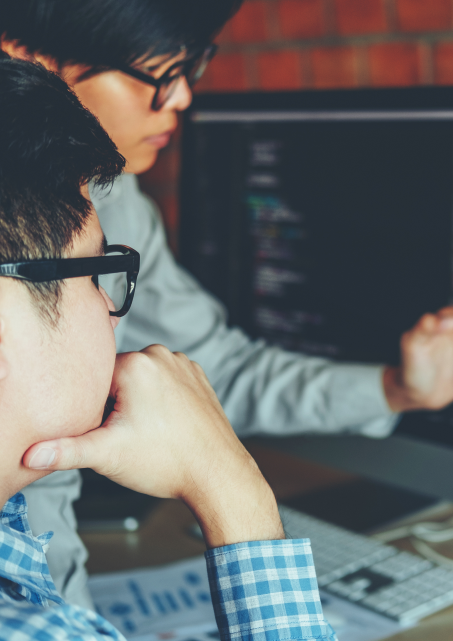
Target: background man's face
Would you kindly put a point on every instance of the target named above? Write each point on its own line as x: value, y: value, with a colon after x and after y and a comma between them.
x: 123, y: 106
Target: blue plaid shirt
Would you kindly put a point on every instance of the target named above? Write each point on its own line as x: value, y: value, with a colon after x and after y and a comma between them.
x: 261, y: 591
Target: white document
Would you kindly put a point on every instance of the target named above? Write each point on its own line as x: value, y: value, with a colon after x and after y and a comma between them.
x: 173, y: 603
x: 200, y: 632
x: 152, y: 600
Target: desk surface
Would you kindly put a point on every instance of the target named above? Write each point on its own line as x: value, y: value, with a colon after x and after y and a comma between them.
x: 164, y: 536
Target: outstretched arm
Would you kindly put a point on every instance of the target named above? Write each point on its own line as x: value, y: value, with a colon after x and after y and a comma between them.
x: 263, y: 389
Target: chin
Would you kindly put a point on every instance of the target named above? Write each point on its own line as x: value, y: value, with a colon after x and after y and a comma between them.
x: 140, y: 162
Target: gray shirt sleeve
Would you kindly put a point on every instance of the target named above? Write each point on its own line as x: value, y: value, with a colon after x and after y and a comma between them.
x: 263, y: 389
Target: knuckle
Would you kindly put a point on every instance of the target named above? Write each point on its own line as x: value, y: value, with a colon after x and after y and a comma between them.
x: 181, y: 356
x: 139, y: 361
x: 446, y: 311
x: 157, y: 350
x: 198, y: 369
x: 81, y: 456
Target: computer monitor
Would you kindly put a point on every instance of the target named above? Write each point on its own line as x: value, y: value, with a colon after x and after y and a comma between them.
x: 323, y: 221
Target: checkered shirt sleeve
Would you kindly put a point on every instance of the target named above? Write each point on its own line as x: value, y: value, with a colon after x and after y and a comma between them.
x: 25, y: 622
x: 266, y: 591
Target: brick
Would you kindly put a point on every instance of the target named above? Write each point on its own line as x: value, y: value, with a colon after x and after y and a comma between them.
x: 225, y: 73
x: 394, y: 65
x: 301, y: 18
x: 204, y: 84
x: 250, y: 23
x: 279, y: 70
x: 224, y: 37
x: 443, y: 64
x: 334, y: 67
x: 424, y: 15
x: 360, y: 16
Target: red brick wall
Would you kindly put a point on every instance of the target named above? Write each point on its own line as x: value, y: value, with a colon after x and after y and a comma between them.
x: 316, y: 44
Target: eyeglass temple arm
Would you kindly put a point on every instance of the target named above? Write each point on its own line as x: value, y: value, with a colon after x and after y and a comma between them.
x: 62, y: 268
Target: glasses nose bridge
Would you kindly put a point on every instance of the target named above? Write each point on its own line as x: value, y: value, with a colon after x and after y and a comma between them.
x: 178, y: 95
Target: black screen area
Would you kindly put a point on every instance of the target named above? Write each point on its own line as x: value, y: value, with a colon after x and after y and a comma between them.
x: 325, y: 237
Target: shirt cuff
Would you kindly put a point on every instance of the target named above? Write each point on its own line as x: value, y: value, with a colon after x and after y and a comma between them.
x: 266, y: 591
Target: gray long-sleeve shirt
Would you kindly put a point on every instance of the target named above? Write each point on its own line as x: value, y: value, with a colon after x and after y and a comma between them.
x: 262, y: 388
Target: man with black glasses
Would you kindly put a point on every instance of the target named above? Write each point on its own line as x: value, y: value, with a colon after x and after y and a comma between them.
x: 132, y: 63
x: 167, y: 435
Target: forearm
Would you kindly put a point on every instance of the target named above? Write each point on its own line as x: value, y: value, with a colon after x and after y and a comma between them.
x: 265, y: 389
x: 261, y: 584
x: 398, y: 396
x: 237, y: 505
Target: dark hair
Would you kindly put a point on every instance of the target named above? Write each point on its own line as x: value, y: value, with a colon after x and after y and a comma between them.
x: 108, y: 33
x: 50, y: 145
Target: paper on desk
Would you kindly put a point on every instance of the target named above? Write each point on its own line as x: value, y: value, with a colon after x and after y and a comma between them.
x: 154, y: 600
x: 200, y: 632
x: 173, y: 603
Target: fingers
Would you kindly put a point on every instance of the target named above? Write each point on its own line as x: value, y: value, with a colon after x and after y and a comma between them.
x: 179, y: 359
x: 428, y: 323
x: 66, y: 453
x: 434, y: 323
x: 445, y: 316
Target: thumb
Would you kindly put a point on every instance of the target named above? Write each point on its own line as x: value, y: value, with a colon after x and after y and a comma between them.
x: 67, y: 453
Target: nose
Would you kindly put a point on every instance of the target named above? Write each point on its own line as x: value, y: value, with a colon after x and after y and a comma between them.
x: 181, y: 97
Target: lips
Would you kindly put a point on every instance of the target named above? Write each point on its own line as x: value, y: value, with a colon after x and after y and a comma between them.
x: 159, y: 141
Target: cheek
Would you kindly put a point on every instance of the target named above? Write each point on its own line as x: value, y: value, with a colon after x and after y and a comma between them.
x: 83, y: 377
x: 122, y: 105
x: 123, y: 108
x: 96, y: 357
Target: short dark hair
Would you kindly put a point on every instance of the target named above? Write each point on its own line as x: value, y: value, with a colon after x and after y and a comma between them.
x: 109, y: 33
x: 50, y: 146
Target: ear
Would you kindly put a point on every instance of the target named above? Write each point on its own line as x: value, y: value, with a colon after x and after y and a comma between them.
x: 4, y: 365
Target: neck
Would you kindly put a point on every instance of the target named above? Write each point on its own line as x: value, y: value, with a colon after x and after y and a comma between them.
x: 14, y: 476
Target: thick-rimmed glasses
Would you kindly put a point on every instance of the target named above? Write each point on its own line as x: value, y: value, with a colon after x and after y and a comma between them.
x: 116, y: 272
x: 192, y: 69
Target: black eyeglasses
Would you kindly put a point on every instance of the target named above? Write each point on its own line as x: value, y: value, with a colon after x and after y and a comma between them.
x: 116, y: 272
x: 192, y: 68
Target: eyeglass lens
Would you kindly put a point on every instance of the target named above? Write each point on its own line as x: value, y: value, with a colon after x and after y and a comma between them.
x: 192, y: 70
x: 165, y: 92
x: 115, y: 285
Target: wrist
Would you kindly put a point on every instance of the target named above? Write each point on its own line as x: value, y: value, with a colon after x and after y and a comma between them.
x: 236, y: 508
x: 400, y: 397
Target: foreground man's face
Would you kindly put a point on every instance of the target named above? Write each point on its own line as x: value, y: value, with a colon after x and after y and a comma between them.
x: 59, y: 377
x: 54, y: 380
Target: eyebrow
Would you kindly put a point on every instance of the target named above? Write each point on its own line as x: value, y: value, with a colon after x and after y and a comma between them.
x: 152, y: 68
x: 155, y: 67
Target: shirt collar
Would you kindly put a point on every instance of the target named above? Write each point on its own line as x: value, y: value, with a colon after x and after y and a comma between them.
x: 101, y: 196
x: 24, y: 573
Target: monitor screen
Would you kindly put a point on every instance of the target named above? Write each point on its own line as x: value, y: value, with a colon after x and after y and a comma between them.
x: 323, y: 220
